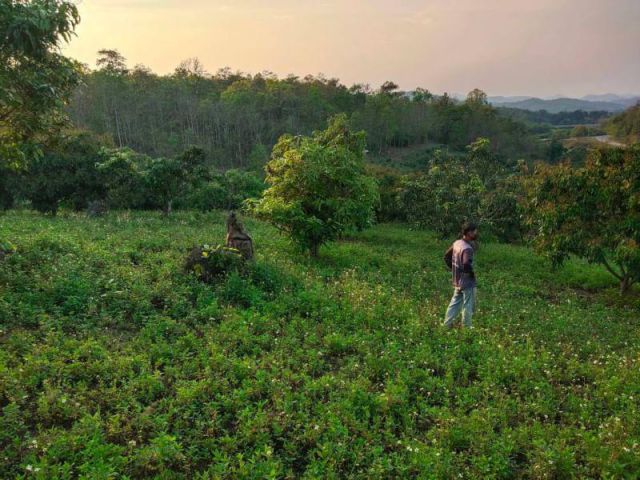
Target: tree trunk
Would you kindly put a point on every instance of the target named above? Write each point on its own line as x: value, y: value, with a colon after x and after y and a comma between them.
x: 625, y: 284
x: 623, y: 276
x: 167, y: 208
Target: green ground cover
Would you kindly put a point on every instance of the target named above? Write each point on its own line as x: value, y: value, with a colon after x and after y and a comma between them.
x: 114, y: 363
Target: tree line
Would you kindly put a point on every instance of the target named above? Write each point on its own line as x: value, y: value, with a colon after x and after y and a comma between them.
x: 543, y: 117
x: 235, y: 117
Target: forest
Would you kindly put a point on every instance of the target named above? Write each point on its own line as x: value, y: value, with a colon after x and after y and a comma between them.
x: 236, y: 118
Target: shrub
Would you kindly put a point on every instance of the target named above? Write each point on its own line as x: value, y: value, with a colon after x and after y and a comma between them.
x: 134, y: 180
x: 206, y: 196
x: 122, y: 171
x: 212, y: 263
x: 163, y: 179
x: 241, y: 185
x: 65, y: 172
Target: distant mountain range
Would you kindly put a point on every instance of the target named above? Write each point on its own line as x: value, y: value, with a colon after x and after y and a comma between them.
x: 589, y: 103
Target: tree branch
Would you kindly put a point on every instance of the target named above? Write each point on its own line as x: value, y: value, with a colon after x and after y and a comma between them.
x: 624, y: 272
x: 608, y: 267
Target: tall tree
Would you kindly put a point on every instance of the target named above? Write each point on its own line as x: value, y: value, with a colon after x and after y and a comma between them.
x: 477, y: 97
x: 111, y: 61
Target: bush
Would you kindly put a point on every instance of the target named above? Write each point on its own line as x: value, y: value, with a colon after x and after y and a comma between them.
x: 65, y: 172
x: 626, y: 125
x: 164, y: 179
x: 580, y: 131
x: 212, y: 263
x: 122, y: 171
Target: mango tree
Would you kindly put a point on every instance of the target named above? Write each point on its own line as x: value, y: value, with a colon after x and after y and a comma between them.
x: 592, y: 212
x: 318, y: 189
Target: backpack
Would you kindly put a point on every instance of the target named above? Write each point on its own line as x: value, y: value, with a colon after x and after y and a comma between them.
x: 448, y: 258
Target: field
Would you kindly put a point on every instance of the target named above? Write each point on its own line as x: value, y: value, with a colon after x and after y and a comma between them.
x: 114, y: 363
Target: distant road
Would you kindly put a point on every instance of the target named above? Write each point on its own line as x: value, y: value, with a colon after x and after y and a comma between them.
x: 607, y: 139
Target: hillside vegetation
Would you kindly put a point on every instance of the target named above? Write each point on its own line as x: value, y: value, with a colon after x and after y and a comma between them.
x: 625, y: 126
x: 114, y: 363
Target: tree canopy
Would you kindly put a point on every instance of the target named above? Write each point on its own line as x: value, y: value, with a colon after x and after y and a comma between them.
x: 35, y: 78
x: 477, y: 186
x: 318, y: 188
x: 592, y: 212
x: 229, y: 114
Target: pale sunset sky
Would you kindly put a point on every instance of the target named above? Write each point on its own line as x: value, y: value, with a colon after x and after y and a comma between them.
x: 505, y: 47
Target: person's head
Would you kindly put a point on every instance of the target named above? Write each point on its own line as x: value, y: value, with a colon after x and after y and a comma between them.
x: 470, y: 231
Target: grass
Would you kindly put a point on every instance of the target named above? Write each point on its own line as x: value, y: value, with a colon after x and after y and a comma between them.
x: 114, y: 363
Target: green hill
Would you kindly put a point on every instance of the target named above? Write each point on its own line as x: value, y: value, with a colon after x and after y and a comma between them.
x: 115, y: 363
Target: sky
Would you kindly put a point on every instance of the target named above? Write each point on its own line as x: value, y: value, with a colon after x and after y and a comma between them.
x: 504, y: 47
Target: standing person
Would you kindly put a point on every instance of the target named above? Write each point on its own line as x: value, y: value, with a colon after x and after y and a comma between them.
x: 464, y: 278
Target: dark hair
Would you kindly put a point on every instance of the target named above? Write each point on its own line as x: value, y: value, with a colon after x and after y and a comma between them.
x: 468, y: 227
